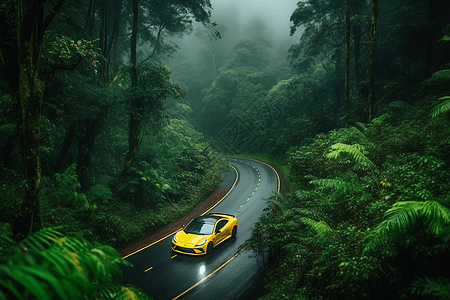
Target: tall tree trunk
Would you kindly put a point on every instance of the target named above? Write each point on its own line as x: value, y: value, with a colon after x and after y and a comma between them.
x: 90, y: 17
x: 372, y: 49
x: 25, y: 25
x: 357, y: 33
x: 136, y: 110
x: 115, y: 56
x: 213, y: 56
x: 65, y: 148
x: 103, y: 35
x: 86, y: 143
x: 114, y: 39
x: 430, y: 39
x: 347, y: 61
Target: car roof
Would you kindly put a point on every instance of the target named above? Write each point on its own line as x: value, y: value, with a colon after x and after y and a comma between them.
x: 208, y: 219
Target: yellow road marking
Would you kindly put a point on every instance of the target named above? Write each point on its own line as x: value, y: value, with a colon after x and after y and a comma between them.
x: 173, y: 256
x: 237, y: 175
x: 170, y: 234
x: 151, y: 244
x: 276, y: 173
x: 215, y: 271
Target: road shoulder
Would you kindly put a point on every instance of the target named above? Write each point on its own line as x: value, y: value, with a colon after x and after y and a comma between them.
x: 228, y: 179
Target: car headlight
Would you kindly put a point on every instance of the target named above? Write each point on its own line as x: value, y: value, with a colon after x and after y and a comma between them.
x: 174, y: 238
x: 201, y: 243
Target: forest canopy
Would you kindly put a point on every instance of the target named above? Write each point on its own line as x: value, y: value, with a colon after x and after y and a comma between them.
x: 116, y: 118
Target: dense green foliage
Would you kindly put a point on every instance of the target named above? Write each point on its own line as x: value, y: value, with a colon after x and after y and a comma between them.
x: 66, y: 133
x: 101, y: 131
x: 275, y: 106
x: 367, y: 216
x: 49, y: 265
x: 85, y: 140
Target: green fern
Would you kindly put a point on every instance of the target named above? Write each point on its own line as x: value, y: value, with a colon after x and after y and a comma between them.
x: 404, y: 216
x: 438, y: 287
x: 341, y: 186
x: 356, y: 151
x: 324, y: 233
x: 119, y: 292
x: 442, y: 107
x: 380, y: 120
x: 48, y: 265
x: 274, y: 205
x: 40, y: 240
x: 5, y: 240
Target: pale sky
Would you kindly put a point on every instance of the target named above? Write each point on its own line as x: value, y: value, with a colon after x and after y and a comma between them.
x: 276, y: 13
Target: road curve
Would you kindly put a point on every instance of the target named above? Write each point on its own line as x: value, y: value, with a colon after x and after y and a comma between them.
x: 222, y: 274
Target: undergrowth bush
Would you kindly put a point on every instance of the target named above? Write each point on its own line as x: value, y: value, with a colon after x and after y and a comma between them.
x: 353, y: 188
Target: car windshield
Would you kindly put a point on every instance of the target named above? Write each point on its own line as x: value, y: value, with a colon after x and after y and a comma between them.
x: 199, y: 227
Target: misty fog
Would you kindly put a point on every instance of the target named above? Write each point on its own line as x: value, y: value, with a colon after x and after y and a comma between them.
x: 198, y: 61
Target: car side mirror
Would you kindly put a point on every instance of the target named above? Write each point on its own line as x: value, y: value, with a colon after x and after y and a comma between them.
x: 218, y: 231
x: 183, y: 226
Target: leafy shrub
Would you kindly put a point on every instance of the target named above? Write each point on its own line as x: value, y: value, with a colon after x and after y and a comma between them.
x: 48, y: 265
x: 64, y: 190
x: 416, y: 177
x: 100, y: 194
x: 6, y: 240
x: 384, y: 188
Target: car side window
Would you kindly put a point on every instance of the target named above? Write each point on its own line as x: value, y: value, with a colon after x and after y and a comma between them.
x: 220, y: 224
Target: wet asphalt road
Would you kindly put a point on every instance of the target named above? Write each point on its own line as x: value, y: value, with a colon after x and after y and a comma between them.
x: 163, y: 275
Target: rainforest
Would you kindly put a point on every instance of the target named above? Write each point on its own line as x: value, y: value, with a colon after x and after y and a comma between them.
x: 119, y: 118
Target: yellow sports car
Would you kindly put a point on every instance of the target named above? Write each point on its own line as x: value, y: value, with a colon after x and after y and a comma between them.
x: 204, y: 233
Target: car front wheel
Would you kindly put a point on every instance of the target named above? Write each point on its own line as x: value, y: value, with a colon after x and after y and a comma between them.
x: 233, y: 233
x: 209, y: 248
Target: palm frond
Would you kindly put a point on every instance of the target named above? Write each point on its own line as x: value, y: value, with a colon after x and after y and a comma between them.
x: 438, y: 287
x: 40, y: 240
x: 274, y: 205
x: 342, y: 186
x: 8, y: 291
x: 5, y: 240
x: 356, y: 151
x: 322, y: 230
x: 437, y: 216
x: 403, y: 216
x: 131, y: 292
x: 296, y: 249
x: 48, y: 265
x: 117, y: 292
x: 442, y: 107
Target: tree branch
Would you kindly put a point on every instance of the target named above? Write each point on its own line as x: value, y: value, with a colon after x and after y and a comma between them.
x: 156, y: 44
x: 55, y: 8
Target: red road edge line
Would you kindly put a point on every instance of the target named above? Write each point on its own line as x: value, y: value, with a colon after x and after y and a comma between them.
x: 237, y: 176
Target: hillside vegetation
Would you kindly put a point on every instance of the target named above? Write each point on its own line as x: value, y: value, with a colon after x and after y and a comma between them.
x: 116, y: 117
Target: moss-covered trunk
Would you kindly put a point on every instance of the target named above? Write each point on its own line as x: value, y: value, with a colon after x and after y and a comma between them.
x: 347, y: 61
x: 357, y: 34
x: 24, y: 24
x: 136, y: 109
x: 372, y: 49
x: 31, y: 92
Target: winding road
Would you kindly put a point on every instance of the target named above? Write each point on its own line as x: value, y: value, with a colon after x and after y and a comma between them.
x: 223, y: 274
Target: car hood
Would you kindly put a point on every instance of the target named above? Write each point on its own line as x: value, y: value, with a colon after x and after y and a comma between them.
x: 189, y: 238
